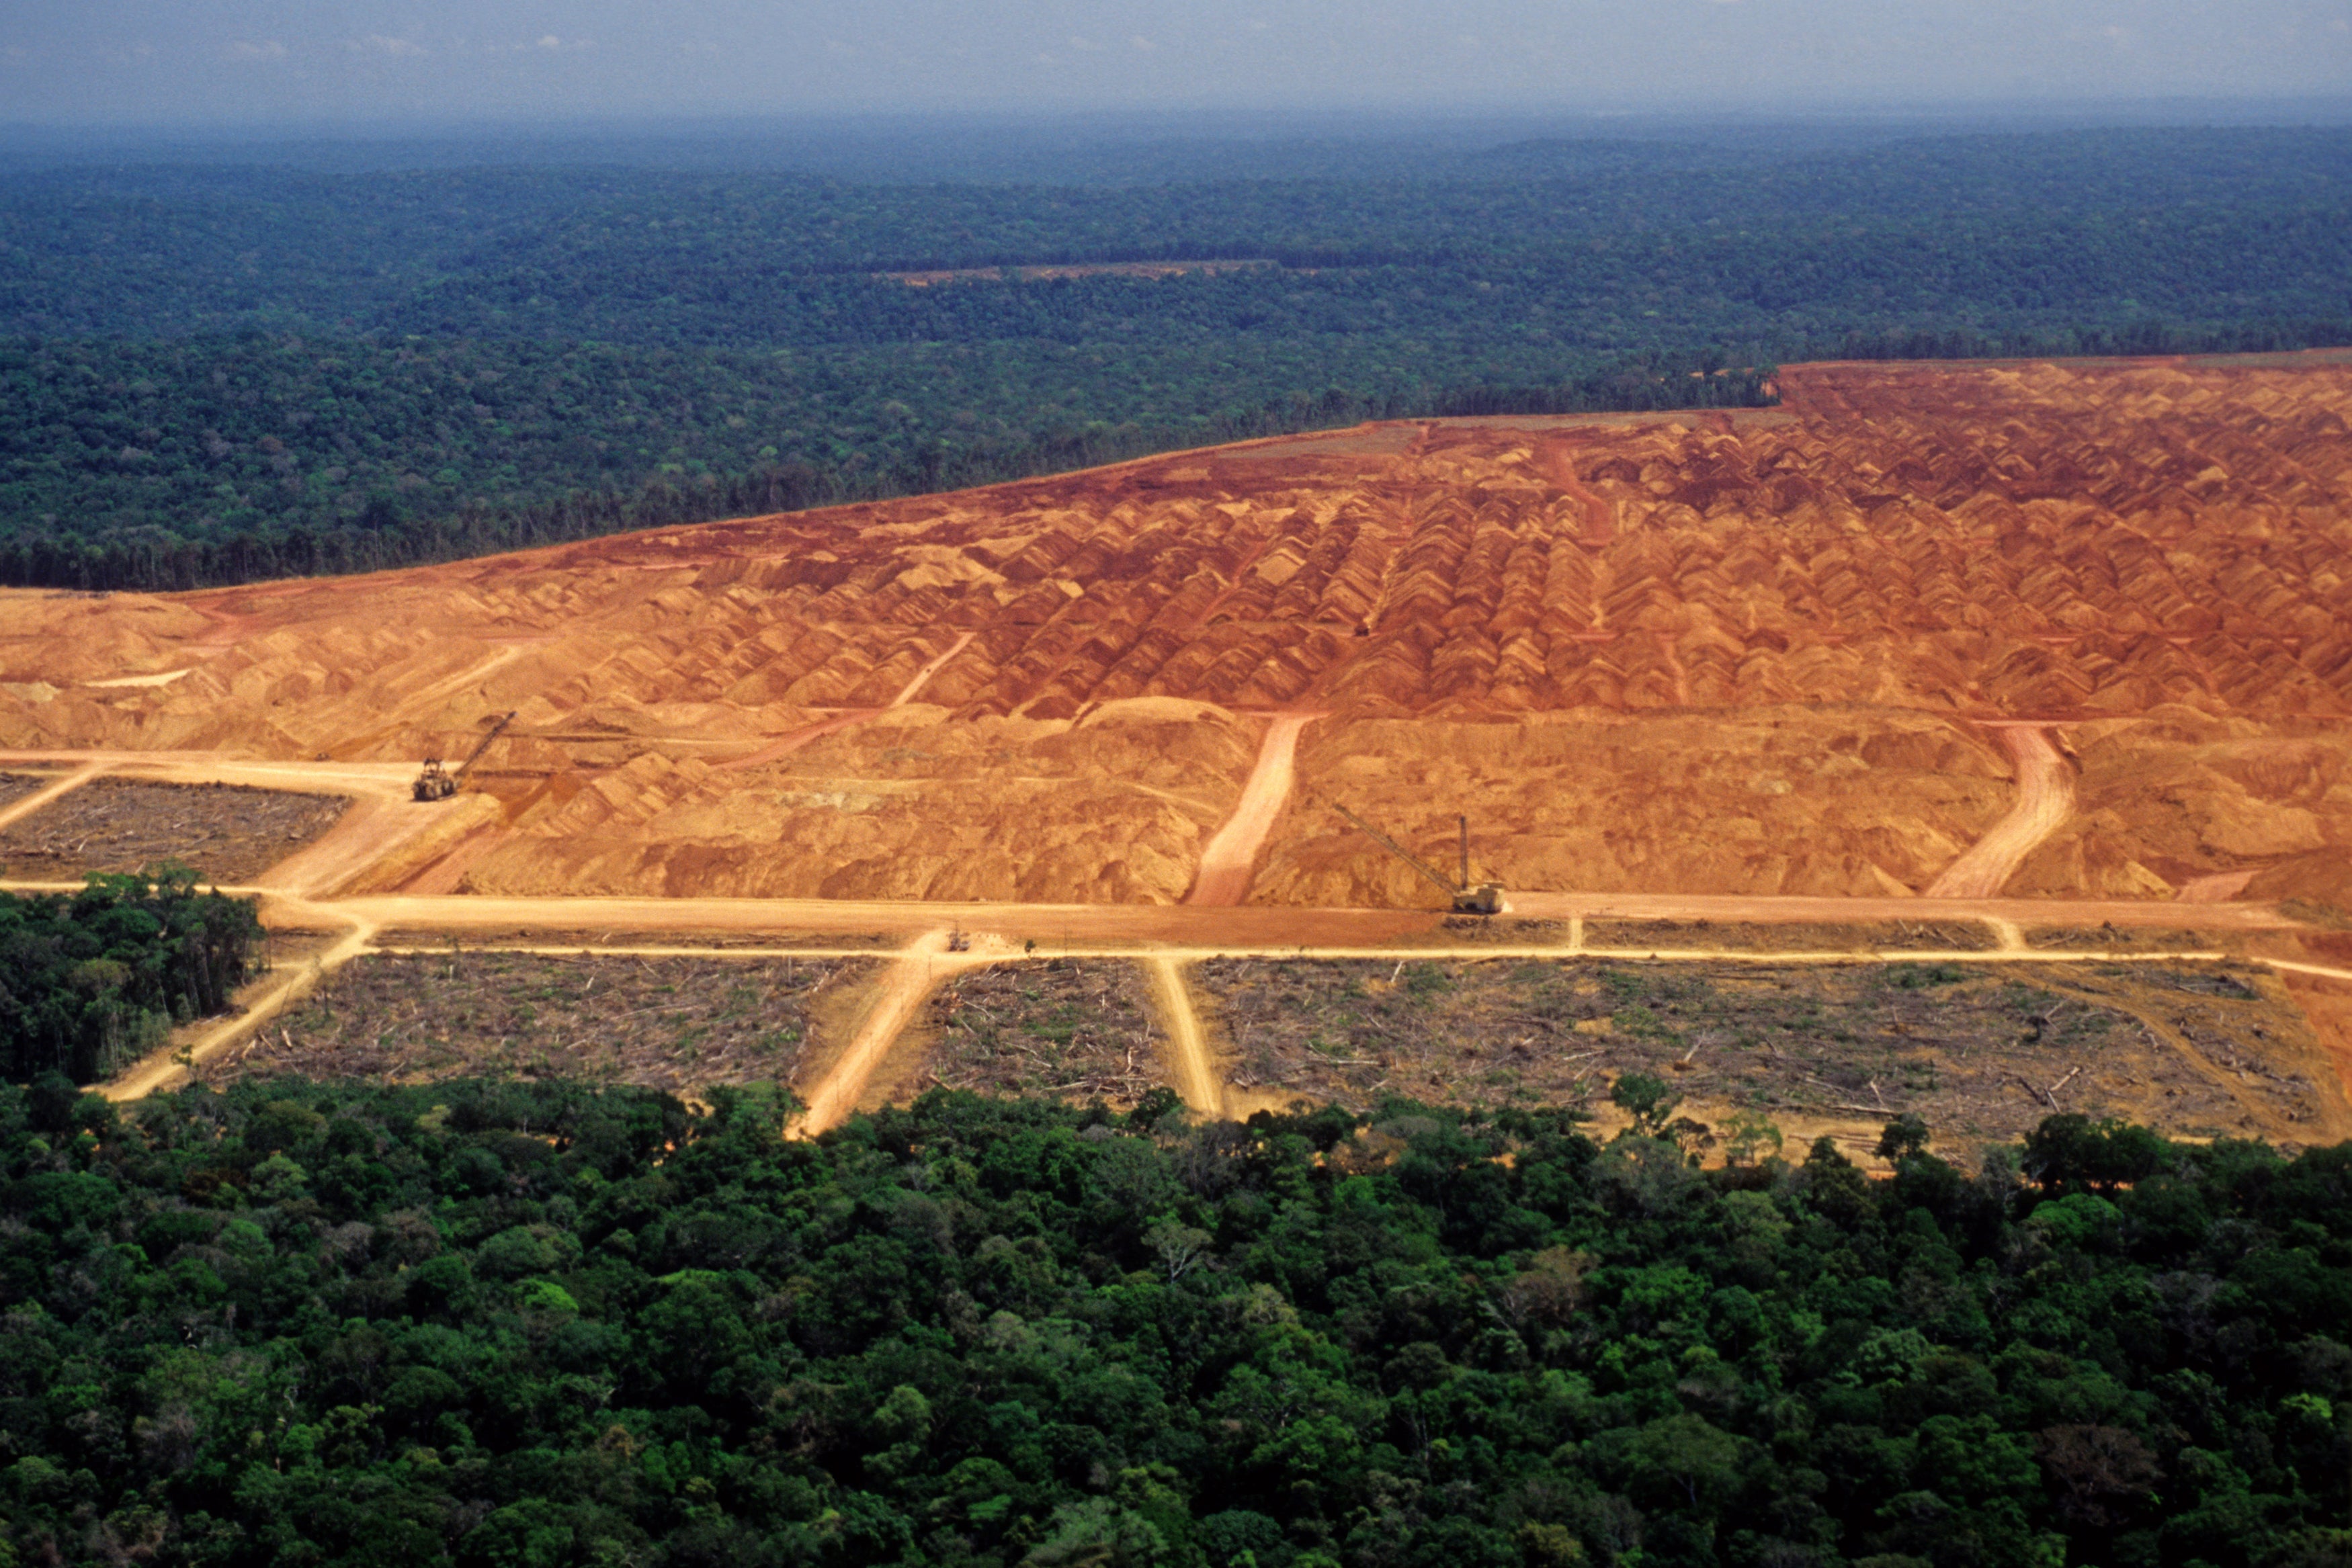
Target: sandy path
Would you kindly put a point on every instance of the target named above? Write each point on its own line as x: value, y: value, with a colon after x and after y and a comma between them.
x: 2045, y: 798
x: 923, y: 676
x: 1230, y: 856
x: 787, y: 745
x: 1050, y: 923
x: 17, y: 811
x: 374, y: 827
x: 1468, y: 953
x: 1196, y: 1078
x: 168, y: 1068
x: 900, y: 993
x: 1671, y: 655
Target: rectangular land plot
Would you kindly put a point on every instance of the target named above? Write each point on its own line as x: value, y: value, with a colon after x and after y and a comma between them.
x: 677, y: 1024
x: 229, y: 833
x: 1078, y: 1028
x: 1793, y: 936
x: 15, y: 787
x: 1980, y: 1052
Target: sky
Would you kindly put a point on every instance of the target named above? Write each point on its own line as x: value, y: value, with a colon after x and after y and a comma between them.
x: 227, y: 62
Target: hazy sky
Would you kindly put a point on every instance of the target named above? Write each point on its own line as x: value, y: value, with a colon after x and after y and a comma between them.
x: 174, y: 61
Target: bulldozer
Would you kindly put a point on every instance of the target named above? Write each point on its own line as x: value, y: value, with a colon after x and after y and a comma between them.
x: 438, y: 783
x: 1484, y: 898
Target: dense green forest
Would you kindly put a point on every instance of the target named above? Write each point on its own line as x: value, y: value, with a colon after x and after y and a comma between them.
x: 213, y: 373
x: 539, y: 1324
x: 93, y: 980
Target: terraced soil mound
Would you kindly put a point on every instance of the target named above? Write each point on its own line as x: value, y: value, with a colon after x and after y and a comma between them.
x: 1761, y: 653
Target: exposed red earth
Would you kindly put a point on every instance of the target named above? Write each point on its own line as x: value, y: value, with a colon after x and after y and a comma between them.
x: 2032, y: 637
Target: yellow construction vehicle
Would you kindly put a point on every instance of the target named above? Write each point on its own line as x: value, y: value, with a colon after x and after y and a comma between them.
x: 438, y: 783
x: 1486, y: 898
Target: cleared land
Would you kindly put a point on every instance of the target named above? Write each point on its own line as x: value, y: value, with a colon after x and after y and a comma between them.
x: 1819, y: 937
x: 17, y: 786
x: 227, y: 832
x: 1980, y: 1054
x: 2068, y: 637
x: 1769, y: 654
x: 1078, y: 1029
x: 674, y: 1023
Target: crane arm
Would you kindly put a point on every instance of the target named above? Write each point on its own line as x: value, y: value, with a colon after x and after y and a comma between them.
x: 1399, y: 850
x: 484, y: 746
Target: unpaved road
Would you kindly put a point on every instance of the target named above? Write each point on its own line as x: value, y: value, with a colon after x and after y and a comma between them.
x: 2045, y: 798
x: 294, y: 895
x: 168, y: 1068
x: 1230, y: 857
x: 921, y: 965
x: 1196, y: 1078
x: 923, y: 676
x: 33, y: 802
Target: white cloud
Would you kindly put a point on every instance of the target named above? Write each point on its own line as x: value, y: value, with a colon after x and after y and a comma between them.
x: 1141, y: 42
x: 550, y: 41
x: 266, y: 49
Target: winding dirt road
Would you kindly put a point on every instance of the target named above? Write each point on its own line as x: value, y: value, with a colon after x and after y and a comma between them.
x: 1229, y: 858
x: 2045, y: 798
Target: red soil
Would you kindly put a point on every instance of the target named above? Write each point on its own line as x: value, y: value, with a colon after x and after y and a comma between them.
x: 1745, y: 653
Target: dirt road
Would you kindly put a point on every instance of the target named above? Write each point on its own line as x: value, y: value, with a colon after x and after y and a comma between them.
x: 921, y: 965
x: 49, y: 792
x: 1230, y: 857
x: 2045, y: 798
x: 168, y: 1068
x: 923, y: 676
x: 297, y: 894
x: 1196, y: 1078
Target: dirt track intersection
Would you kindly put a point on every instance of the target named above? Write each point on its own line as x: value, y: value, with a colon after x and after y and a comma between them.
x: 1848, y: 687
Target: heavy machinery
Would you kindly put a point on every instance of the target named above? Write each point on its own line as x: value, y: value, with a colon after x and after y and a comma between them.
x: 438, y: 783
x: 1486, y: 898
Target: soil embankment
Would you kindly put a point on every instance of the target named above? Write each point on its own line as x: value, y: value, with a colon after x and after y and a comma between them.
x: 1743, y: 620
x: 1230, y: 857
x: 2045, y: 798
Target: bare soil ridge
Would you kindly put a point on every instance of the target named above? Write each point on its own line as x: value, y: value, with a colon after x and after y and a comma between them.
x: 1802, y: 665
x: 1646, y: 653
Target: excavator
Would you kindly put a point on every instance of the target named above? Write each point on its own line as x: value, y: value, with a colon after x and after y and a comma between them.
x: 1486, y: 898
x: 438, y: 783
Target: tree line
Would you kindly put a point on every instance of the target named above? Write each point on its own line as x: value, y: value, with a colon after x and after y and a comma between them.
x: 217, y: 372
x: 386, y: 533
x: 541, y: 1323
x: 91, y: 981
